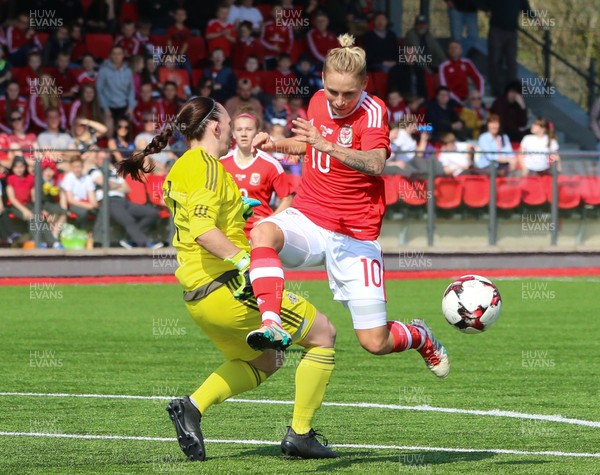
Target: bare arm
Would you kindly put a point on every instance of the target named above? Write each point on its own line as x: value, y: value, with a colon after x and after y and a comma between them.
x: 215, y: 242
x: 289, y: 146
x: 97, y: 126
x: 285, y: 202
x: 369, y: 162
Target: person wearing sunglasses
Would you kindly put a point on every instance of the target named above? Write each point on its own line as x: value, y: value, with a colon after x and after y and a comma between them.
x: 121, y: 143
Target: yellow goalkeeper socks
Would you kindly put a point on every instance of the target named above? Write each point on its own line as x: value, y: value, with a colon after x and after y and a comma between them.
x: 312, y: 378
x: 231, y: 378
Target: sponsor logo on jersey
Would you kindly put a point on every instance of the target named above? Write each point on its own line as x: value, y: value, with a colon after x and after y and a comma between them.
x: 255, y: 179
x: 240, y: 176
x: 345, y: 136
x: 325, y: 131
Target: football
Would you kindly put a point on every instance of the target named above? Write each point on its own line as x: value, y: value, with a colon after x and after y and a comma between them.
x: 471, y: 304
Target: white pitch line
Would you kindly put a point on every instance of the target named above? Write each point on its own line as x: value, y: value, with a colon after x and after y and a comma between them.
x: 364, y: 405
x: 271, y: 442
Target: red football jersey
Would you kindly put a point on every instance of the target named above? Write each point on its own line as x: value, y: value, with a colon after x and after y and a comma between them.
x: 259, y: 179
x: 332, y: 195
x: 215, y: 26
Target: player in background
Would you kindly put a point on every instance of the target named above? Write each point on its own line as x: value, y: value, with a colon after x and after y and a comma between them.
x: 257, y: 175
x: 336, y: 215
x: 212, y: 252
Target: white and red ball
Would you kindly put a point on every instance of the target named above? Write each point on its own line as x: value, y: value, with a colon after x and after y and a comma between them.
x: 471, y: 304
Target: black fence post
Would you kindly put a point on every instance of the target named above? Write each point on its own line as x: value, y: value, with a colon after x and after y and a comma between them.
x: 547, y: 49
x: 591, y: 84
x: 105, y: 203
x: 430, y: 202
x: 492, y: 212
x: 554, y: 205
x: 38, y: 221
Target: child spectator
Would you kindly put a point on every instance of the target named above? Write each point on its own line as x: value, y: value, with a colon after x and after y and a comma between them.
x: 220, y: 34
x: 170, y: 103
x: 246, y: 46
x: 21, y: 40
x: 284, y: 80
x: 20, y: 193
x: 276, y: 38
x: 178, y: 34
x: 455, y: 156
x: 146, y: 105
x: 252, y: 74
x: 320, y: 40
x: 181, y: 78
x: 205, y: 88
x: 142, y: 34
x: 13, y: 102
x: 542, y: 142
x: 64, y: 78
x: 310, y: 79
x: 31, y: 73
x: 127, y: 39
x: 297, y: 110
x: 277, y: 113
x: 89, y: 73
x: 456, y: 72
x: 395, y: 105
x: 498, y: 143
x: 79, y: 192
x: 86, y: 106
x: 473, y: 114
x: 223, y: 79
x: 246, y: 12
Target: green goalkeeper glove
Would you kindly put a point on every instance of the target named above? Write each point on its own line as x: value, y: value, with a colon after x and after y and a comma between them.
x: 247, y: 205
x: 241, y: 261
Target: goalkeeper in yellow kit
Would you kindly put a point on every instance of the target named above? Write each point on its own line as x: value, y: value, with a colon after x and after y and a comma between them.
x: 212, y: 251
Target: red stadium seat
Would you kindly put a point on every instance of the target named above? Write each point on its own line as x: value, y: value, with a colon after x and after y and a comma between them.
x: 154, y: 191
x: 413, y: 192
x: 99, y: 44
x: 590, y: 190
x: 300, y: 46
x: 447, y: 192
x: 476, y: 190
x: 569, y: 191
x: 534, y: 193
x: 392, y: 193
x: 137, y: 192
x: 196, y: 76
x: 129, y: 11
x: 196, y: 49
x: 508, y: 192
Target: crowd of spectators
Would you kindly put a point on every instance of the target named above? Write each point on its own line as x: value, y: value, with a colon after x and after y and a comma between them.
x: 110, y: 74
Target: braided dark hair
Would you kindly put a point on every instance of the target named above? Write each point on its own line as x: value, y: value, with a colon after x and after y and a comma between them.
x: 192, y: 120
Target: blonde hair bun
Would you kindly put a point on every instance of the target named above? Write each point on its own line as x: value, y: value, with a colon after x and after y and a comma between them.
x: 346, y: 40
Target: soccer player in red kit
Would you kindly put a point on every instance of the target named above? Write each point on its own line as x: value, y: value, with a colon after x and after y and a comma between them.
x: 336, y: 215
x: 257, y: 175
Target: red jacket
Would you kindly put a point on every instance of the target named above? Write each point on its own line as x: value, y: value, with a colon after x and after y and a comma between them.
x: 455, y: 76
x: 276, y: 36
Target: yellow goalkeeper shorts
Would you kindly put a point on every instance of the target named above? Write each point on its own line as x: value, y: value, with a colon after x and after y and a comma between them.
x: 227, y: 321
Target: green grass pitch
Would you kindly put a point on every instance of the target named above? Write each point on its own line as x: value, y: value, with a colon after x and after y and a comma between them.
x: 541, y: 358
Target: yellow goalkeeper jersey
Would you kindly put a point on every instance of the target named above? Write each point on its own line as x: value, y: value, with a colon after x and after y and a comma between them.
x: 202, y: 196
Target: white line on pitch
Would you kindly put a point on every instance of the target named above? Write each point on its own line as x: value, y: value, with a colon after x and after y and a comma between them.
x: 344, y: 446
x: 365, y: 405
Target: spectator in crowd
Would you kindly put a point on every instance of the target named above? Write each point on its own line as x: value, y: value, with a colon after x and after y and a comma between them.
x: 54, y: 203
x: 395, y: 105
x: 59, y: 42
x: 5, y: 226
x: 127, y: 39
x: 87, y: 105
x: 100, y: 17
x: 121, y: 143
x: 4, y: 160
x: 52, y: 139
x: 31, y: 73
x: 137, y: 220
x: 12, y: 102
x: 115, y: 87
x: 205, y: 88
x: 473, y: 114
x: 359, y: 14
x: 137, y: 64
x: 169, y: 72
x: 252, y: 74
x: 410, y: 157
x: 512, y: 111
x: 416, y: 107
x: 21, y: 40
x: 243, y: 99
x: 310, y: 79
x: 89, y: 73
x: 595, y: 126
x: 86, y: 133
x: 79, y: 191
x: 142, y: 34
x: 169, y: 102
x: 178, y: 34
x: 282, y: 80
x: 277, y: 112
x: 45, y: 96
x: 502, y: 40
x: 441, y: 114
x: 495, y: 147
x: 320, y: 40
x: 146, y: 105
x: 223, y: 79
x: 246, y: 11
x: 462, y: 15
x: 381, y: 45
x: 20, y: 192
x: 150, y: 74
x: 276, y: 38
x: 296, y: 110
x: 5, y: 72
x: 455, y: 156
x: 64, y: 78
x: 456, y: 71
x: 220, y: 34
x: 78, y: 46
x: 538, y: 149
x: 142, y: 139
x: 246, y: 46
x: 18, y: 139
x: 425, y: 44
x: 408, y: 76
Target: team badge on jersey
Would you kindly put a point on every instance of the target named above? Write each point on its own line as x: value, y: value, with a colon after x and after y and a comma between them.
x: 345, y: 136
x: 255, y: 179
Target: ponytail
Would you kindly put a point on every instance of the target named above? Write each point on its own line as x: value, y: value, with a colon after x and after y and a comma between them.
x: 136, y: 165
